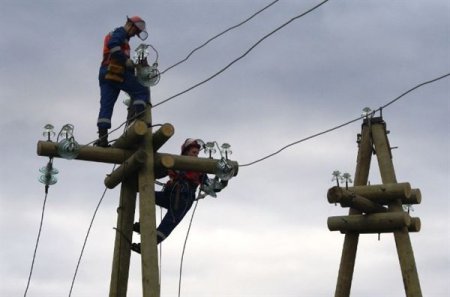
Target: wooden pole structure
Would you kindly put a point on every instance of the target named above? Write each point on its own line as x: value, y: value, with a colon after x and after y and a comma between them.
x: 349, y: 249
x: 125, y: 219
x: 367, y: 213
x: 136, y: 151
x: 402, y: 240
x: 149, y: 250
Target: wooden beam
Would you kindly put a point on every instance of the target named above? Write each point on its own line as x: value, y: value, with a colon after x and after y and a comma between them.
x: 125, y: 219
x: 385, y: 193
x: 348, y: 258
x: 132, y: 137
x: 205, y: 165
x: 373, y: 223
x: 350, y: 199
x: 403, y: 243
x: 149, y: 250
x: 161, y: 136
x: 87, y: 153
x: 128, y: 168
x: 416, y: 196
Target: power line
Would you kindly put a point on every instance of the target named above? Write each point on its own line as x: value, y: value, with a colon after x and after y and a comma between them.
x: 243, y: 55
x: 218, y: 35
x: 346, y: 123
x: 184, y: 247
x: 302, y: 140
x: 37, y: 242
x: 86, y: 238
x: 412, y: 89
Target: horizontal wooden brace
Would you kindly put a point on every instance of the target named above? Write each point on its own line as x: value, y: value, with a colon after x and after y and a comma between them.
x: 373, y: 223
x: 205, y: 165
x: 350, y: 199
x: 162, y: 161
x: 129, y: 167
x: 87, y: 153
x: 381, y: 194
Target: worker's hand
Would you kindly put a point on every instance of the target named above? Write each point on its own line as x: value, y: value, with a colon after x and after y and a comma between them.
x: 130, y: 64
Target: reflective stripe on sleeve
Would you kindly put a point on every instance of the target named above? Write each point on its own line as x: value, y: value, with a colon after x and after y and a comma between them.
x: 115, y: 49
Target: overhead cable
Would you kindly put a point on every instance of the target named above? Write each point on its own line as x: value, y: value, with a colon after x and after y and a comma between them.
x: 218, y: 35
x: 85, y: 241
x: 346, y: 123
x: 184, y: 247
x: 243, y: 55
x: 37, y: 243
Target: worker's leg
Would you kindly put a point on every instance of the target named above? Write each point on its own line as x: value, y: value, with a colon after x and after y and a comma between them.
x: 161, y: 199
x: 109, y: 92
x: 140, y: 95
x: 108, y: 96
x: 178, y: 208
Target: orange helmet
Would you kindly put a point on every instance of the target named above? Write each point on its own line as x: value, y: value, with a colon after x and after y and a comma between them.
x: 139, y: 23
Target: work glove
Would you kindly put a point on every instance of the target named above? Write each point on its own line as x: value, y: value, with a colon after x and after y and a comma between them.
x: 130, y: 64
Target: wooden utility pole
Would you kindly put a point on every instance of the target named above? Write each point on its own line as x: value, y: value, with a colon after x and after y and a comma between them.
x: 375, y: 209
x: 136, y: 151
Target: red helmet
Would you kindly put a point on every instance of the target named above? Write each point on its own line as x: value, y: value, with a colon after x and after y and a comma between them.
x: 139, y: 23
x: 191, y: 142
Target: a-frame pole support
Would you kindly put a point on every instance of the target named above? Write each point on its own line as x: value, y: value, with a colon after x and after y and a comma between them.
x: 348, y: 257
x: 374, y: 135
x: 403, y: 243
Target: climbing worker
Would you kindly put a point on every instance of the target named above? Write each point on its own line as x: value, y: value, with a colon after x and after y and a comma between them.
x: 117, y: 74
x: 178, y: 194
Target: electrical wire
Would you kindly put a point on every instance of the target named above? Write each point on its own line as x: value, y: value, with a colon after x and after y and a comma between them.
x: 218, y: 35
x: 241, y: 56
x: 412, y: 89
x: 302, y: 140
x: 37, y: 242
x: 346, y: 123
x: 85, y: 240
x: 184, y: 247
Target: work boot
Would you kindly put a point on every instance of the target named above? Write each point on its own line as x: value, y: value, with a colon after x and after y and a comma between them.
x: 136, y: 247
x: 102, y: 140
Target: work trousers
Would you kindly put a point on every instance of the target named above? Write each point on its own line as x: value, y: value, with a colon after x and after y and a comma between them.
x: 109, y: 92
x: 177, y: 199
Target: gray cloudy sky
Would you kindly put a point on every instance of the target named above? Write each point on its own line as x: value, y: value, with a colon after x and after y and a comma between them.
x: 266, y: 234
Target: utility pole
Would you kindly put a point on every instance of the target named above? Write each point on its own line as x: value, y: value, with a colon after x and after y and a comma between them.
x: 375, y: 209
x: 136, y: 151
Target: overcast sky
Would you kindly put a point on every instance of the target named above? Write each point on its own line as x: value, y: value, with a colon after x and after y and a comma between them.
x: 266, y: 234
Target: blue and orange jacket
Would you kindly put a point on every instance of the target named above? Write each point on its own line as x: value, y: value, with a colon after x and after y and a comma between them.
x: 116, y: 46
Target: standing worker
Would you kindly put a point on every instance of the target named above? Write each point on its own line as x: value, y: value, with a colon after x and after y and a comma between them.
x: 117, y: 74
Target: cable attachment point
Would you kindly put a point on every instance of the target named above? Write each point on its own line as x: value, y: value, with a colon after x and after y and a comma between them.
x: 48, y: 173
x: 225, y: 171
x: 68, y: 148
x: 147, y: 75
x: 337, y: 177
x: 367, y: 112
x: 48, y: 132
